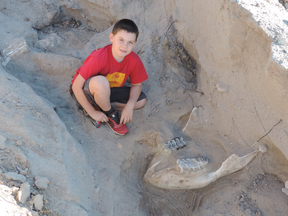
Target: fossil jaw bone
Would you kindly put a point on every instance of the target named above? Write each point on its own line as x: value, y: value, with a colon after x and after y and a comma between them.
x: 191, y: 174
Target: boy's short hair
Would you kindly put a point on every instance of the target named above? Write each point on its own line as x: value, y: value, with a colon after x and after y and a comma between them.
x: 127, y: 25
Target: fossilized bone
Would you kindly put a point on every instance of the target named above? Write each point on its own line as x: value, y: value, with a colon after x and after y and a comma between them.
x: 191, y: 173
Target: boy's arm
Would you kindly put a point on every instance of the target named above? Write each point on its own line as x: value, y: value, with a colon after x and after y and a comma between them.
x: 78, y: 92
x: 127, y: 112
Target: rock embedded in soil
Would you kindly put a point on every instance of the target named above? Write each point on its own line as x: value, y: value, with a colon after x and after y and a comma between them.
x: 24, y: 192
x: 18, y: 143
x: 15, y: 47
x: 285, y: 190
x: 2, y: 142
x: 262, y: 148
x: 286, y: 184
x: 41, y: 182
x: 14, y: 176
x: 34, y: 213
x: 49, y: 43
x: 222, y: 87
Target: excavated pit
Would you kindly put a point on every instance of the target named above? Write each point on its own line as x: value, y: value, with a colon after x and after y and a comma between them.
x: 181, y: 78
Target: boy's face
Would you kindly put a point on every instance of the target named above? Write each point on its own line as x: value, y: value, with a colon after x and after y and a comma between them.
x: 122, y: 44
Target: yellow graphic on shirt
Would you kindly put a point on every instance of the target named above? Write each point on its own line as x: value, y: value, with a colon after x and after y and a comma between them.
x: 115, y: 79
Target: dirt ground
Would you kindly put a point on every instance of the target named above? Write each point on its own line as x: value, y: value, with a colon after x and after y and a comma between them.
x: 225, y: 59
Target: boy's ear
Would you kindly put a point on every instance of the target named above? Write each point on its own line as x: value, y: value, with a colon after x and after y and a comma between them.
x: 111, y: 36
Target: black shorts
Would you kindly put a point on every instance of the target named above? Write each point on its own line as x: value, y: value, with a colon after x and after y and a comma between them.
x: 118, y: 94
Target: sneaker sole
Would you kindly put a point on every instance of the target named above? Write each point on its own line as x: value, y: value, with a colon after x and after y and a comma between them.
x: 116, y: 131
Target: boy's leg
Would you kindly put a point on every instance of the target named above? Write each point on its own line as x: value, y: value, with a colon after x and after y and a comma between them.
x: 90, y: 100
x: 100, y: 89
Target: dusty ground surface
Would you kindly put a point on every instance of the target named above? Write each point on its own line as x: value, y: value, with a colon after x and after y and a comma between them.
x: 226, y: 60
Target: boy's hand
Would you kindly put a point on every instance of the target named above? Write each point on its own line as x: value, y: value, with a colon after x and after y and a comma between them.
x: 99, y: 116
x: 127, y: 113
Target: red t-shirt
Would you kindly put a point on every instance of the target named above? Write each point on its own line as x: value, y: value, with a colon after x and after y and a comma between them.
x: 102, y: 62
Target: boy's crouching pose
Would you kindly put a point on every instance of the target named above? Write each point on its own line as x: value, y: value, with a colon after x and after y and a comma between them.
x: 97, y: 86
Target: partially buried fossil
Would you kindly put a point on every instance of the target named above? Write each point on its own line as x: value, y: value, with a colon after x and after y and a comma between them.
x: 167, y: 172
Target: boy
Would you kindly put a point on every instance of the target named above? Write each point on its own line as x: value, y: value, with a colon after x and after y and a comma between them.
x: 97, y: 86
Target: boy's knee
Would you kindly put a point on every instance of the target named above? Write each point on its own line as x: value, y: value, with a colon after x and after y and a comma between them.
x: 98, y: 84
x: 141, y: 103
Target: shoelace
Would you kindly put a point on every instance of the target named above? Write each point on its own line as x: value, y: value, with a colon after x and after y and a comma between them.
x: 115, y: 117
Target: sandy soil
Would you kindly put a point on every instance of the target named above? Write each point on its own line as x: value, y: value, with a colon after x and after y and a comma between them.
x: 230, y: 65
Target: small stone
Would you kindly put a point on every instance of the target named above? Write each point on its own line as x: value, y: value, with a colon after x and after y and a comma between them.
x: 22, y: 172
x: 38, y: 202
x: 41, y: 182
x: 24, y: 192
x: 96, y: 189
x: 14, y: 176
x: 34, y: 213
x: 19, y: 143
x: 286, y: 184
x: 222, y: 87
x: 282, y: 41
x: 2, y: 142
x: 262, y: 148
x: 15, y: 190
x: 285, y: 190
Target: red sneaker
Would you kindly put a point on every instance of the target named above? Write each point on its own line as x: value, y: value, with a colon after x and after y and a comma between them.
x: 113, y: 122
